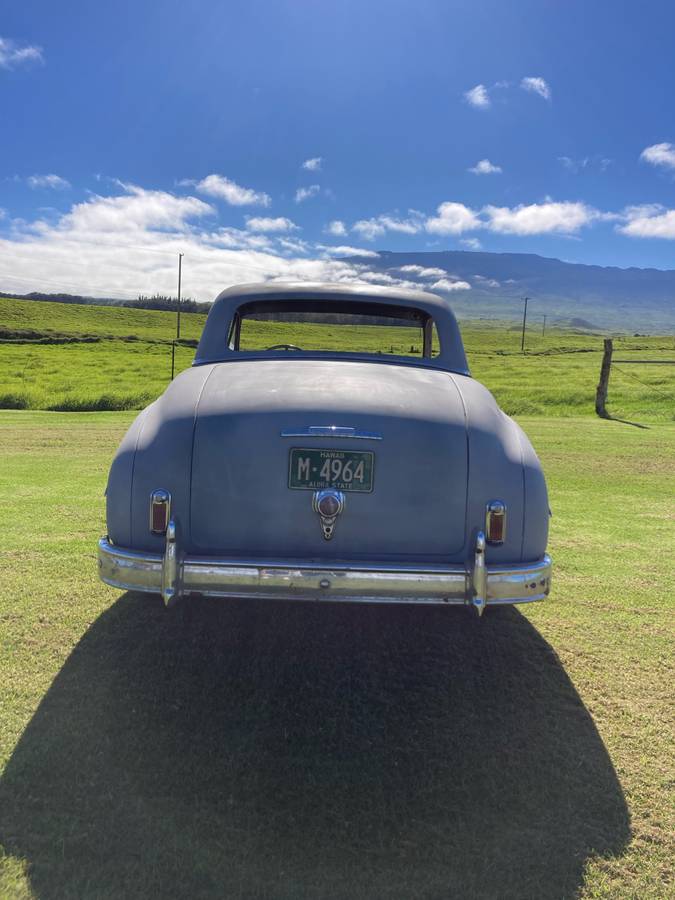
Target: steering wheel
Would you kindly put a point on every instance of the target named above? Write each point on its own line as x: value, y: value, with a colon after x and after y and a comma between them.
x: 283, y: 347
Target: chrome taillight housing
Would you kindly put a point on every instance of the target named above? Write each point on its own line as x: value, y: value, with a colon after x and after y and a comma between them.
x: 160, y: 511
x: 495, y: 522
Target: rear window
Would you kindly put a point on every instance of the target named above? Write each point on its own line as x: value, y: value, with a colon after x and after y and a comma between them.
x: 331, y: 327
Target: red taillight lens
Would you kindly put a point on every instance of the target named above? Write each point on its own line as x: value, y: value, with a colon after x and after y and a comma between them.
x: 495, y: 522
x: 160, y: 510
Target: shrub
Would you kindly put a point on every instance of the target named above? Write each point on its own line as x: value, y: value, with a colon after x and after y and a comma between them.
x: 14, y: 401
x: 104, y: 403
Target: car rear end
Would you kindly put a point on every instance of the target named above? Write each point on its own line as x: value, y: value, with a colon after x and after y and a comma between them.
x: 328, y: 474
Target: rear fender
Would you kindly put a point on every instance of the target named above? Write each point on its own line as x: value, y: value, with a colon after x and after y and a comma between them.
x: 495, y: 470
x: 155, y: 453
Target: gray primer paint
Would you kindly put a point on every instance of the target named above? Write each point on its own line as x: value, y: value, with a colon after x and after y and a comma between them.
x: 213, y: 440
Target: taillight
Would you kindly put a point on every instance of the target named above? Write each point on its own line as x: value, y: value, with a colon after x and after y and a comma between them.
x: 495, y: 522
x: 160, y: 511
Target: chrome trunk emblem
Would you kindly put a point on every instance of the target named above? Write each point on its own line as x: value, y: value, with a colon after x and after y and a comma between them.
x: 328, y: 504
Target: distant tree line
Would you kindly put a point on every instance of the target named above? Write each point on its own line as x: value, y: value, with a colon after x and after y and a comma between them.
x: 157, y: 301
x: 162, y: 301
x: 62, y: 298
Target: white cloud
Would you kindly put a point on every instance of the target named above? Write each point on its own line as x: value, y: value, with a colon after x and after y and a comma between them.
x: 13, y: 54
x: 238, y: 239
x: 405, y: 226
x: 136, y: 210
x: 369, y: 228
x: 423, y: 272
x: 660, y: 155
x: 485, y: 167
x: 126, y: 243
x: 267, y: 223
x: 573, y: 165
x: 305, y: 193
x: 471, y: 243
x: 336, y: 228
x: 48, y: 181
x: 452, y: 218
x: 486, y: 282
x: 444, y: 284
x: 540, y: 218
x: 230, y: 192
x: 293, y: 245
x: 81, y: 252
x: 585, y: 162
x: 379, y: 225
x: 314, y: 164
x: 649, y: 221
x: 478, y: 97
x: 386, y: 280
x: 345, y: 250
x: 536, y: 85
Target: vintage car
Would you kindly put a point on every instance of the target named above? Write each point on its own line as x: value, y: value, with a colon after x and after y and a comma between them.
x: 314, y: 451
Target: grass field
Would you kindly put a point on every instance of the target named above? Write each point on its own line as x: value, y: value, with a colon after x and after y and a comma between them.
x: 272, y: 750
x: 557, y: 376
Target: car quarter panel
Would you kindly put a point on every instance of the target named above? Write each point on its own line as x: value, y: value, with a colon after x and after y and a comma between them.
x: 162, y: 455
x: 537, y: 510
x: 119, y: 487
x: 495, y: 468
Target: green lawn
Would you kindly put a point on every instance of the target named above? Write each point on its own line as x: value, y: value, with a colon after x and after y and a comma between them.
x: 557, y: 376
x: 296, y: 751
x: 274, y: 750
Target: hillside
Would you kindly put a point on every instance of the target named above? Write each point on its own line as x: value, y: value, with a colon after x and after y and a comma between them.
x: 605, y: 297
x: 601, y: 298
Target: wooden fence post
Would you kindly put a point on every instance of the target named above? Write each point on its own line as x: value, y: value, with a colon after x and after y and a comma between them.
x: 601, y: 392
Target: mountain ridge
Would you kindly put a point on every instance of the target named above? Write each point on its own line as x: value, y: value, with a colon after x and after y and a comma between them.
x: 609, y: 296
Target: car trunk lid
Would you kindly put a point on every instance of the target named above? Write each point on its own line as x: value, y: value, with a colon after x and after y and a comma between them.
x: 252, y: 414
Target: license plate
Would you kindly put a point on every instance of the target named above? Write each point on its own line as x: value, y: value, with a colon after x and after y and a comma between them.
x: 343, y: 470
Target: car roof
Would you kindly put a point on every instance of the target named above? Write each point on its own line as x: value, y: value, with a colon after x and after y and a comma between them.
x: 305, y: 290
x: 213, y: 344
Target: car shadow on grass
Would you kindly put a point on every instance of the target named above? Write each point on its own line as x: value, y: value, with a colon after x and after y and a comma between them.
x: 293, y: 750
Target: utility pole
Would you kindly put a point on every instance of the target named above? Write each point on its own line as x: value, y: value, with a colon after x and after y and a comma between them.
x: 522, y: 339
x: 543, y: 328
x: 180, y: 266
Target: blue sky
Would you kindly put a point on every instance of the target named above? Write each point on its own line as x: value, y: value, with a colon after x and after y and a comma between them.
x: 134, y: 130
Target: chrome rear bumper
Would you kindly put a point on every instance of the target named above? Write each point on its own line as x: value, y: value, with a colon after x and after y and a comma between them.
x: 172, y: 575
